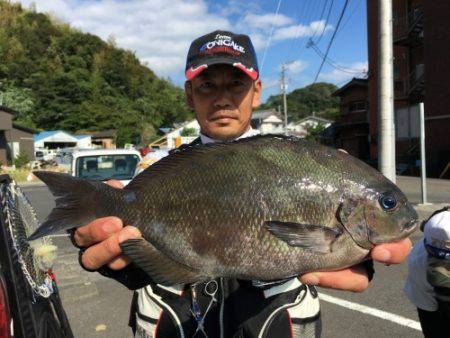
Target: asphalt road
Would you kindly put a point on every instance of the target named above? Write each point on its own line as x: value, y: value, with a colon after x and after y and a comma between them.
x: 98, y: 307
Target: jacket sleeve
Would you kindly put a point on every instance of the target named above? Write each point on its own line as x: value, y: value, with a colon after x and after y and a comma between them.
x: 131, y: 276
x: 369, y: 268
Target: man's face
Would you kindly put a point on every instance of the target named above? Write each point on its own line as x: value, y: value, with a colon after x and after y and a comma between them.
x: 223, y: 98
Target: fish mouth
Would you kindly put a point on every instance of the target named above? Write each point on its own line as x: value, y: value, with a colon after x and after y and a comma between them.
x: 407, y: 229
x: 410, y: 227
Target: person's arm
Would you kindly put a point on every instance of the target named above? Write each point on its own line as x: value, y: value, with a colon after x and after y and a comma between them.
x: 102, y: 238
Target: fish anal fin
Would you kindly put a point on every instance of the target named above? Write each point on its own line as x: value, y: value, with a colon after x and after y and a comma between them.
x: 316, y: 238
x: 161, y: 268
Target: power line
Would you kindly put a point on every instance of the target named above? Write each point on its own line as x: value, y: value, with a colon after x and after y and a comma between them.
x: 331, y: 40
x: 321, y: 17
x: 309, y: 10
x: 297, y: 32
x: 326, y: 22
x: 270, y: 36
x: 333, y: 63
x: 358, y: 3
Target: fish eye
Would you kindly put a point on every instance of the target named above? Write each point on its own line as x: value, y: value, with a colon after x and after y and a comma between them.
x: 388, y: 202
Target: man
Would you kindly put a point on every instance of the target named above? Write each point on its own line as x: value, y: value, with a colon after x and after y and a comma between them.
x: 428, y: 283
x: 222, y: 87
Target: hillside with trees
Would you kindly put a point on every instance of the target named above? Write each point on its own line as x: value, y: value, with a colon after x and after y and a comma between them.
x: 304, y: 101
x: 60, y: 78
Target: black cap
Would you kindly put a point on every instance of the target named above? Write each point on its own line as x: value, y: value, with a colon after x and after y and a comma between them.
x: 222, y: 47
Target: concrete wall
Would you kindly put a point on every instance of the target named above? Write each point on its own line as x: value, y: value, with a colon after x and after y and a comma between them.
x: 3, y: 148
x: 26, y: 142
x: 5, y: 120
x: 5, y: 135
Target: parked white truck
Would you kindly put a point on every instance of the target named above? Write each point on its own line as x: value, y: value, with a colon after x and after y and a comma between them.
x: 104, y: 164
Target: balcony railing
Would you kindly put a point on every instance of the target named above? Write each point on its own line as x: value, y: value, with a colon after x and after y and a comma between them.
x: 409, y: 29
x: 416, y: 81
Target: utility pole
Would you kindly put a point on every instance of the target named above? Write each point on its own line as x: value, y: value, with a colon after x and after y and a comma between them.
x: 386, y: 129
x: 283, y: 91
x: 423, y: 171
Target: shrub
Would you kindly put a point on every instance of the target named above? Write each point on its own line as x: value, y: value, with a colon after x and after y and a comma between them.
x: 21, y: 160
x: 188, y: 132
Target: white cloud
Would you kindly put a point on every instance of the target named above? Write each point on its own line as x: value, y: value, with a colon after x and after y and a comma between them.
x: 347, y: 71
x: 159, y: 31
x: 259, y: 40
x: 266, y: 21
x: 301, y: 31
x: 270, y: 83
x: 296, y: 66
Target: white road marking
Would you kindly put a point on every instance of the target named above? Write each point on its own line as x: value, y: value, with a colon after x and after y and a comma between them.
x: 372, y: 311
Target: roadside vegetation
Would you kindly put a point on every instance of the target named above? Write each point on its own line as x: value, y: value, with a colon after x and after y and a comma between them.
x: 60, y: 78
x: 302, y: 102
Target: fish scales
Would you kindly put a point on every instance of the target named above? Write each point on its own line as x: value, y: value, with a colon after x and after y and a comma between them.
x: 210, y: 208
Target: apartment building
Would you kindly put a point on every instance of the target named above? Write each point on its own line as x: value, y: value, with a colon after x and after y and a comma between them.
x: 421, y: 37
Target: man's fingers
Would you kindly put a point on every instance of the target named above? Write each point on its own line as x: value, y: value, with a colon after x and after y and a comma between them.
x: 120, y: 262
x: 392, y: 253
x: 115, y: 184
x: 97, y: 231
x: 108, y: 250
x: 352, y: 279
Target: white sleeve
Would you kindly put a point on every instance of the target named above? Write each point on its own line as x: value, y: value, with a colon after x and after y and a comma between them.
x: 149, y: 159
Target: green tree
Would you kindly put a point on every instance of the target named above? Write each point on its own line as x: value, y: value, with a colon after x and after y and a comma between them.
x: 60, y: 78
x: 21, y: 100
x: 303, y: 102
x: 314, y: 132
x: 188, y: 132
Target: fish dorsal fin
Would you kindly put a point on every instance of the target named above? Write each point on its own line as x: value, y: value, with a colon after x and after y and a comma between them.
x: 315, y: 238
x: 168, y: 164
x: 158, y: 266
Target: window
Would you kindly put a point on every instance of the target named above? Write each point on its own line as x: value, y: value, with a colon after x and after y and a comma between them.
x: 105, y: 167
x: 357, y: 106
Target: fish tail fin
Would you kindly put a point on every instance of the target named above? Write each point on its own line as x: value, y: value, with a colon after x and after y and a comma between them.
x: 78, y: 202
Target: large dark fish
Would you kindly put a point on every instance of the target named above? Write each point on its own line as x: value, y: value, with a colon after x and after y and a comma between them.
x: 265, y: 208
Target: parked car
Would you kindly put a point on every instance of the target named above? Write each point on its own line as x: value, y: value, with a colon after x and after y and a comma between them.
x: 105, y: 164
x: 39, y: 155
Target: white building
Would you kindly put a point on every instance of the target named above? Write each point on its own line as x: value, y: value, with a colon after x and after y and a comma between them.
x: 84, y: 141
x: 267, y: 121
x: 174, y: 138
x: 54, y: 139
x: 300, y: 128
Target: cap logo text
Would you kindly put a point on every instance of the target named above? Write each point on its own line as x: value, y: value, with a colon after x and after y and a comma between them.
x: 222, y: 44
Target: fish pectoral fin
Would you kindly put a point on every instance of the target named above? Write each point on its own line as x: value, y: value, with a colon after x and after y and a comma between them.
x: 315, y: 238
x: 161, y: 268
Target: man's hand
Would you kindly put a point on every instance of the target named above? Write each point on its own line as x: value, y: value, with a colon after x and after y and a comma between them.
x: 355, y: 278
x: 102, y: 237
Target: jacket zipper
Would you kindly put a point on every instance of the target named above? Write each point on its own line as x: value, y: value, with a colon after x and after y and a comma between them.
x: 166, y: 306
x: 222, y: 303
x: 298, y: 300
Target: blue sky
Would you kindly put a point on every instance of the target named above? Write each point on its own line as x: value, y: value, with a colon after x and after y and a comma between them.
x: 160, y: 31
